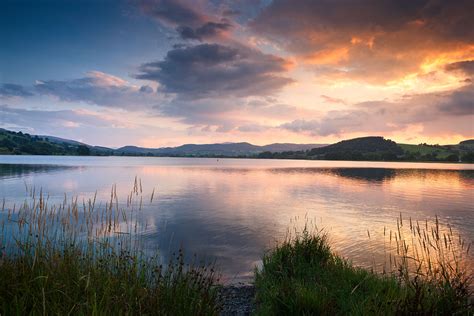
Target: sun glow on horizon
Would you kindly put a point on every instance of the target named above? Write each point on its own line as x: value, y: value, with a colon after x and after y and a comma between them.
x: 281, y: 71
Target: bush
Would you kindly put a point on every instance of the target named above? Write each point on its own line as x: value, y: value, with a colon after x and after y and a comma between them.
x: 302, y: 276
x: 59, y: 260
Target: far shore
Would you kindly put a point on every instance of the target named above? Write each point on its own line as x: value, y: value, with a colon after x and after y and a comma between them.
x: 251, y: 158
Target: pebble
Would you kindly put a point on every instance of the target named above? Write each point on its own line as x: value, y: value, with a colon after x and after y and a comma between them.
x: 237, y: 300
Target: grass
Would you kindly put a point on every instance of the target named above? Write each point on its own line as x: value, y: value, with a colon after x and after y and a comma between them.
x: 426, y: 150
x: 86, y: 259
x: 77, y: 259
x: 303, y: 276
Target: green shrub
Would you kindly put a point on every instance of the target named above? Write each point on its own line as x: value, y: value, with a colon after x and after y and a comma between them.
x: 302, y: 276
x: 63, y: 260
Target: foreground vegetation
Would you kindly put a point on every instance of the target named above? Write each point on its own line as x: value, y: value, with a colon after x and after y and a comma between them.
x: 70, y: 281
x: 18, y: 143
x: 67, y: 261
x: 303, y: 276
x: 87, y: 259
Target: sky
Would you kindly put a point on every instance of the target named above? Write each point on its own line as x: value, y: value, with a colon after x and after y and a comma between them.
x: 159, y: 73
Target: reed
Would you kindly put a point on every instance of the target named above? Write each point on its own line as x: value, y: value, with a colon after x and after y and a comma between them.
x: 430, y: 257
x: 427, y: 274
x: 84, y: 257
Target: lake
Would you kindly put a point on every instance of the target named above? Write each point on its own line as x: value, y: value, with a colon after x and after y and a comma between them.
x: 231, y: 210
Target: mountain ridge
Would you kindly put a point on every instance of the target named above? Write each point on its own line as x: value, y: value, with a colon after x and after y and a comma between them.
x: 369, y: 148
x: 43, y: 144
x: 232, y: 149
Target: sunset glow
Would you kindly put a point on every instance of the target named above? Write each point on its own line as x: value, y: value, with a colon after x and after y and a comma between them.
x: 159, y: 73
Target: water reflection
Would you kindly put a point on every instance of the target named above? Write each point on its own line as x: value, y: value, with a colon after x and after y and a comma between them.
x: 232, y: 213
x: 16, y: 170
x: 371, y: 175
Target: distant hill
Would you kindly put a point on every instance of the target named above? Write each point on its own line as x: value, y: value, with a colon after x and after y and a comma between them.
x: 281, y: 147
x: 358, y: 147
x: 467, y: 142
x: 225, y: 149
x: 58, y: 140
x: 23, y: 143
x: 371, y: 148
x: 377, y: 148
x: 466, y: 145
x: 464, y: 151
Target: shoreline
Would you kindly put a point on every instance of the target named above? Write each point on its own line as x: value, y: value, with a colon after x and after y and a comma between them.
x: 251, y: 158
x: 403, y: 164
x: 301, y: 275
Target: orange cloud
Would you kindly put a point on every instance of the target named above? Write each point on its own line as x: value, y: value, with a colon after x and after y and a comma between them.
x: 328, y: 56
x: 378, y: 42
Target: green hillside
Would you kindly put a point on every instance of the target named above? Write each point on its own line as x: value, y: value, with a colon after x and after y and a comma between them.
x: 18, y: 143
x: 376, y: 148
x: 440, y: 152
x: 464, y: 151
x: 363, y: 148
x: 371, y: 148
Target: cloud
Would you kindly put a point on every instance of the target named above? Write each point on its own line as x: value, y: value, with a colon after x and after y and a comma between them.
x: 100, y: 89
x: 448, y: 112
x: 217, y: 70
x: 252, y: 128
x: 34, y: 119
x: 207, y: 30
x: 105, y: 127
x: 459, y: 102
x: 329, y: 99
x: 231, y: 12
x: 466, y: 67
x: 172, y: 12
x: 370, y: 40
x: 209, y: 84
x: 146, y: 89
x: 8, y: 90
x: 229, y: 75
x: 189, y: 22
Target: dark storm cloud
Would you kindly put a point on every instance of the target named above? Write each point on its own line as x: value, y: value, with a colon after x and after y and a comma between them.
x: 284, y: 17
x: 459, y: 102
x: 172, y: 12
x: 372, y: 40
x: 217, y: 70
x: 207, y: 30
x: 316, y: 14
x: 8, y: 90
x: 146, y: 89
x: 189, y: 22
x: 231, y: 12
x: 467, y: 67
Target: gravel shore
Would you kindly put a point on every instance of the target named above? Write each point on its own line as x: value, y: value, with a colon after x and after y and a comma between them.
x: 237, y: 299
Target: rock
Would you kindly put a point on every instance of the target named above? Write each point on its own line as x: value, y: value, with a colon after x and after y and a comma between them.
x: 237, y: 299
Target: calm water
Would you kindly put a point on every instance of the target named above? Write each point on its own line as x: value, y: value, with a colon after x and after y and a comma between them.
x: 231, y: 210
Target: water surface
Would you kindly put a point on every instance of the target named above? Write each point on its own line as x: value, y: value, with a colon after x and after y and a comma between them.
x: 232, y: 210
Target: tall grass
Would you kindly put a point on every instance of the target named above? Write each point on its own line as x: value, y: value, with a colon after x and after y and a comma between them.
x: 430, y: 256
x: 303, y: 276
x: 87, y: 258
